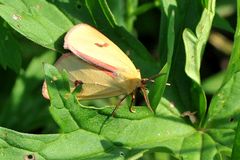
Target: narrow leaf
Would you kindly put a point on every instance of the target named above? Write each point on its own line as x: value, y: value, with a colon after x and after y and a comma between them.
x: 37, y: 20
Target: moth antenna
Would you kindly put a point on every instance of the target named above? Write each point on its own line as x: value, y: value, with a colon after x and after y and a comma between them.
x: 152, y: 78
x: 156, y: 76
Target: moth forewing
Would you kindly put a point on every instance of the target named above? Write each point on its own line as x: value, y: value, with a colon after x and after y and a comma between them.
x: 84, y: 40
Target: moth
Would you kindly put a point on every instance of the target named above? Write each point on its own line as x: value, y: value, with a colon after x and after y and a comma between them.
x: 102, y: 68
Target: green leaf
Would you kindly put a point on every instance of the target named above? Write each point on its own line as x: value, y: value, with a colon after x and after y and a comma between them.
x: 123, y: 12
x: 105, y: 18
x: 74, y: 145
x: 224, y: 107
x: 37, y: 20
x: 198, y: 142
x: 234, y: 64
x: 118, y: 9
x: 194, y: 46
x: 60, y: 114
x: 236, y: 146
x: 179, y: 91
x: 160, y: 83
x: 10, y: 54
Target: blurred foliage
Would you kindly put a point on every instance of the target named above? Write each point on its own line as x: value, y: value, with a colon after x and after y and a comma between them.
x: 194, y: 43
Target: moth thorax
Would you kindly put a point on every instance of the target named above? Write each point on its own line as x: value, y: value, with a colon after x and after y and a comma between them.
x: 131, y: 83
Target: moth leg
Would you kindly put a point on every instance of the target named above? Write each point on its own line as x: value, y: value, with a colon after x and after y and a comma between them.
x: 118, y: 104
x: 78, y: 87
x: 143, y: 89
x: 133, y: 94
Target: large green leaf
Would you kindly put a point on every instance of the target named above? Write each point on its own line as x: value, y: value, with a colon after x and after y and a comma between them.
x: 95, y: 134
x: 124, y: 130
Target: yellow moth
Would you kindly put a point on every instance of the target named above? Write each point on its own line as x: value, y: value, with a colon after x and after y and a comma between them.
x: 101, y: 66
